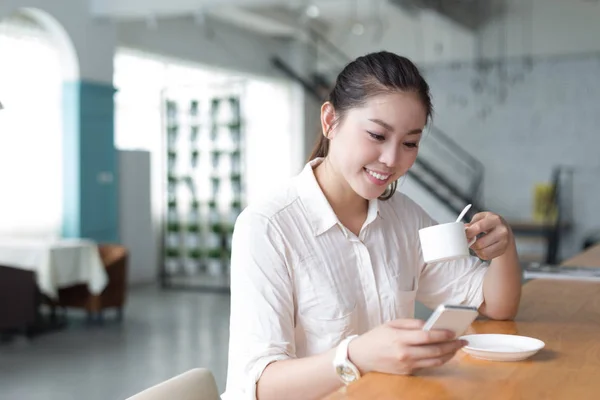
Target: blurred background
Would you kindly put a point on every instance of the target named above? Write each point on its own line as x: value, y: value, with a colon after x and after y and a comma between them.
x: 132, y: 134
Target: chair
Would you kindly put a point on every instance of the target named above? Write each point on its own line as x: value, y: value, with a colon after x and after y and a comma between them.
x: 18, y: 298
x: 195, y: 384
x: 115, y: 259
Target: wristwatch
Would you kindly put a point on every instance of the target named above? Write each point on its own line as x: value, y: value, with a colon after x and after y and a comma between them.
x: 343, y: 366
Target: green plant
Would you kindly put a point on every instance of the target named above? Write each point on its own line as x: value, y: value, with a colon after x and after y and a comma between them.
x: 195, y: 204
x: 171, y: 135
x: 216, y: 181
x: 195, y: 253
x: 216, y: 228
x: 194, y: 107
x: 214, y: 104
x: 190, y: 184
x: 171, y: 105
x: 172, y: 179
x: 194, y: 134
x: 193, y: 228
x: 215, y: 156
x: 172, y: 204
x: 212, y: 204
x: 215, y: 253
x: 173, y: 226
x: 172, y: 253
x: 235, y: 178
x: 236, y: 204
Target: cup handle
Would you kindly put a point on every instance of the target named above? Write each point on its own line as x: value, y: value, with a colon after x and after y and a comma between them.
x: 472, y: 240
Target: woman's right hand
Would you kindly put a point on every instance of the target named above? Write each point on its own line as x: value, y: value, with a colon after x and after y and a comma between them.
x: 401, y: 347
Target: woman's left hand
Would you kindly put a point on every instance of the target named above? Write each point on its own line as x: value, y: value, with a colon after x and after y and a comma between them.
x: 498, y: 235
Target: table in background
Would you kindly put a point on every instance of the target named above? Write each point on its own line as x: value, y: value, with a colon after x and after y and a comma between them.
x: 57, y: 263
x: 588, y: 258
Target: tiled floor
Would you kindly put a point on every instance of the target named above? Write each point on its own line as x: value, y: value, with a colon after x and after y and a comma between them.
x: 162, y: 335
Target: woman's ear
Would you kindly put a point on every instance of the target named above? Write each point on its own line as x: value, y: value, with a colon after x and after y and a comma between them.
x: 327, y: 119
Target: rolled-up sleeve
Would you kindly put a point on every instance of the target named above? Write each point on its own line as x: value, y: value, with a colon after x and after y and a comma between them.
x: 262, y: 304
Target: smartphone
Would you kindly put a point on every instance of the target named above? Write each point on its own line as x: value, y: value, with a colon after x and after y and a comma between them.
x: 453, y: 318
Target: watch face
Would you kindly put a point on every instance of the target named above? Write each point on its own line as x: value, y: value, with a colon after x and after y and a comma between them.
x: 346, y: 374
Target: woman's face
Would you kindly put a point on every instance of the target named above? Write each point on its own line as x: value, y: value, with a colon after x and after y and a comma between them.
x: 376, y: 144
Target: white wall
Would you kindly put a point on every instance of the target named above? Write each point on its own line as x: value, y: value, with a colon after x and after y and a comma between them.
x: 93, y: 40
x: 543, y: 28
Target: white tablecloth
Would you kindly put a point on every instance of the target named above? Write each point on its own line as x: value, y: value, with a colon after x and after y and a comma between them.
x: 57, y: 263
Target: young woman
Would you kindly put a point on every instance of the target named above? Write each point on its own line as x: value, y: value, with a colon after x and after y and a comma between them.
x: 325, y: 274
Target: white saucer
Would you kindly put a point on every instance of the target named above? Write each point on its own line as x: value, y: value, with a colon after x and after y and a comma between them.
x: 498, y: 347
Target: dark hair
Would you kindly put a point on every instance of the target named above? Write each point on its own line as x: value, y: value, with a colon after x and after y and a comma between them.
x: 368, y: 76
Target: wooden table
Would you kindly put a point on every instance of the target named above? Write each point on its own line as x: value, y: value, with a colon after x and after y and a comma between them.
x: 564, y: 314
x: 588, y: 258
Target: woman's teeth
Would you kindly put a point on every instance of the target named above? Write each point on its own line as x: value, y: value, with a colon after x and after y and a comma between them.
x: 378, y: 176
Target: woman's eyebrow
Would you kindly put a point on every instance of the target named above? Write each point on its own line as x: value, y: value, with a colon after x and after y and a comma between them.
x: 384, y: 124
x: 391, y: 128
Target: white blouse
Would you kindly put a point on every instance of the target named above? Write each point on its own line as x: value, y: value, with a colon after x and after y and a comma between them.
x: 301, y: 281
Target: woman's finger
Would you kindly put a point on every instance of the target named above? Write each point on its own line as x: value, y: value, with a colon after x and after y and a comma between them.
x: 484, y: 225
x: 487, y: 240
x: 406, y: 323
x: 492, y: 251
x: 436, y: 350
x: 421, y: 337
x: 478, y: 217
x: 432, y: 362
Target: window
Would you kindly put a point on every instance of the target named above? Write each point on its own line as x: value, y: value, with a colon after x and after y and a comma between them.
x: 30, y: 131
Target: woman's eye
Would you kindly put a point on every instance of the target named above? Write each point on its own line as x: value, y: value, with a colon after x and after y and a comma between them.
x: 376, y: 136
x: 411, y: 145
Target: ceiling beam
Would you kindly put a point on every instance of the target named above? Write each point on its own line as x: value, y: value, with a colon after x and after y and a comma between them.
x: 470, y: 14
x: 280, y: 26
x: 145, y: 8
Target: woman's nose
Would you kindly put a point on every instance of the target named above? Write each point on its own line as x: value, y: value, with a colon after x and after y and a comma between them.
x: 389, y: 156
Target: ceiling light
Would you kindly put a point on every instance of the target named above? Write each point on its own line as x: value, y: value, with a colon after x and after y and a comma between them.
x: 358, y: 29
x: 313, y: 11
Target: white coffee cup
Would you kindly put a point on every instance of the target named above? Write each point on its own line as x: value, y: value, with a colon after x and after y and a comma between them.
x: 444, y: 242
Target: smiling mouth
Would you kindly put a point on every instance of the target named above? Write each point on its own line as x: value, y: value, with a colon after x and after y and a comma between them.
x: 377, y: 177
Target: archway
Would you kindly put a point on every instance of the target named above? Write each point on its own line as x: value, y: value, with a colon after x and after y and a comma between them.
x: 60, y: 38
